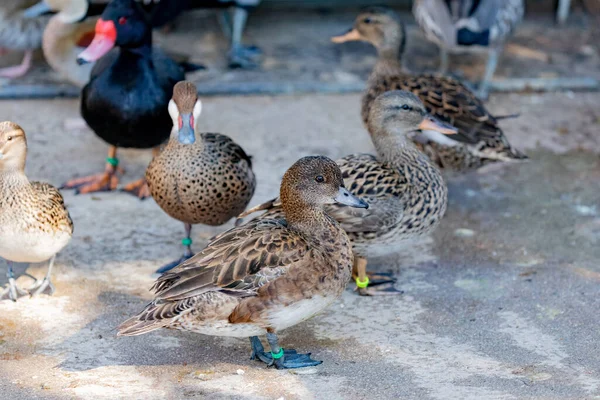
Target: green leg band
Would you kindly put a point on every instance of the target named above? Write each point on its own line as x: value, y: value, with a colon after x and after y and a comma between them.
x: 186, y: 242
x: 362, y: 284
x: 278, y: 355
x: 114, y: 161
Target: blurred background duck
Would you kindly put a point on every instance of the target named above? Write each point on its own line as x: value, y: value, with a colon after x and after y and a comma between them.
x: 67, y: 34
x: 479, y: 141
x: 461, y: 25
x: 198, y: 178
x: 126, y: 101
x: 34, y: 222
x: 19, y: 33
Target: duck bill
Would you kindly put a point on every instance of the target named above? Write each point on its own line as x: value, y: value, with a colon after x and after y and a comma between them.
x: 433, y: 124
x: 36, y: 10
x: 348, y: 199
x: 186, y: 130
x: 104, y: 40
x: 351, y: 35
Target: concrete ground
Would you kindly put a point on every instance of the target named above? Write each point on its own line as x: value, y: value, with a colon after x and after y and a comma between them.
x: 500, y: 303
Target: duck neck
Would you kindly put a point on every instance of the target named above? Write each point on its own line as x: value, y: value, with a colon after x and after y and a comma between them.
x: 397, y: 150
x: 198, y: 144
x: 12, y: 180
x: 142, y: 49
x: 306, y: 218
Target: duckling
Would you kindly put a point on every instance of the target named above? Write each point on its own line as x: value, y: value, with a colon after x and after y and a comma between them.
x: 459, y: 25
x: 17, y: 32
x: 34, y: 222
x: 126, y: 100
x: 406, y: 193
x: 480, y: 139
x: 265, y: 276
x: 198, y: 178
x: 67, y: 34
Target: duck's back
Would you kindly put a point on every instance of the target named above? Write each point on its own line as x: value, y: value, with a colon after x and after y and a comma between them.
x: 126, y: 100
x: 18, y: 32
x: 208, y: 186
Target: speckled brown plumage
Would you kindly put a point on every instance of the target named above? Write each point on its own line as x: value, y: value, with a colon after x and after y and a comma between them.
x: 406, y: 193
x: 266, y: 275
x: 208, y: 182
x: 34, y: 222
x: 480, y: 139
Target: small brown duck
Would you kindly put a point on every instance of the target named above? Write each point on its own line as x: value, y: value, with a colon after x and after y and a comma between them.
x: 198, y: 178
x: 18, y: 32
x: 67, y: 34
x: 406, y: 193
x: 265, y: 276
x: 34, y: 222
x: 480, y: 139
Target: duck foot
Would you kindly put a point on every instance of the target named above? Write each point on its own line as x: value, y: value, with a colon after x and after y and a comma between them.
x: 103, y: 182
x: 380, y: 278
x: 138, y: 188
x: 244, y: 57
x: 173, y: 264
x: 379, y: 291
x: 41, y: 287
x: 290, y: 358
x: 12, y: 291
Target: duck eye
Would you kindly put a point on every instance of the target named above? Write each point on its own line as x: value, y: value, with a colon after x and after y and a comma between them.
x: 367, y: 20
x: 320, y: 179
x: 405, y: 107
x: 122, y: 21
x: 9, y: 138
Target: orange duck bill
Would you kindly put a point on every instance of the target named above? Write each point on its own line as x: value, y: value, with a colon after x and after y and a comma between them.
x: 349, y: 36
x: 104, y: 40
x: 433, y: 124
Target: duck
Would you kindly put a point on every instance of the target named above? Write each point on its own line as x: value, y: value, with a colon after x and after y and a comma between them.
x: 126, y: 100
x: 19, y: 33
x: 463, y: 25
x: 480, y: 140
x: 198, y: 178
x: 67, y: 34
x: 406, y: 192
x: 266, y: 275
x: 35, y: 224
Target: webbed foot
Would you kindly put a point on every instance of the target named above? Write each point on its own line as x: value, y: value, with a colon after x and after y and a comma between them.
x: 138, y: 188
x: 244, y: 57
x: 287, y: 359
x: 105, y: 181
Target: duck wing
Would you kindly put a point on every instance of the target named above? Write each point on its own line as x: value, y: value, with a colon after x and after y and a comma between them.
x: 51, y: 208
x: 237, y: 262
x: 224, y: 145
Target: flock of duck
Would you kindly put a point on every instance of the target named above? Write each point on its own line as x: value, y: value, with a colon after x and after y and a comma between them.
x: 296, y: 258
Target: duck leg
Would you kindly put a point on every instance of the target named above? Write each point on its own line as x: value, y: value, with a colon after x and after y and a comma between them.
x: 12, y: 292
x: 18, y: 70
x: 281, y: 359
x: 187, y: 242
x: 140, y: 187
x: 443, y: 68
x: 40, y: 287
x: 105, y: 181
x: 484, y: 87
x: 241, y: 56
x: 365, y: 281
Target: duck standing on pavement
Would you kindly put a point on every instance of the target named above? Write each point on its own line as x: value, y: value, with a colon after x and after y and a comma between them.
x: 126, y: 101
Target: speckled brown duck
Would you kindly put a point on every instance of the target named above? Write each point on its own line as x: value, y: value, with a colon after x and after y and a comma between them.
x: 406, y: 193
x: 34, y: 222
x: 264, y: 276
x: 480, y: 139
x: 198, y: 178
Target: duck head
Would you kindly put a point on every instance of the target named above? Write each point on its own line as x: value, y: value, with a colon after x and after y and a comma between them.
x: 121, y: 24
x: 400, y: 113
x: 13, y: 146
x: 314, y: 182
x: 379, y: 26
x: 68, y: 11
x: 185, y: 108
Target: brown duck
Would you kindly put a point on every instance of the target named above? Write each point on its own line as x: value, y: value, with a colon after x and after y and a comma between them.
x: 264, y: 276
x: 480, y: 139
x: 34, y: 222
x: 406, y: 193
x: 198, y: 178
